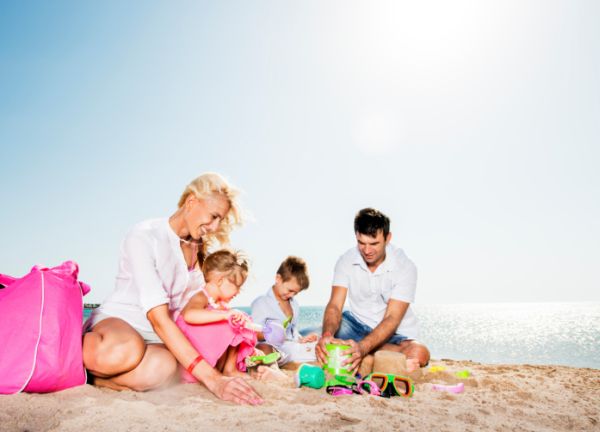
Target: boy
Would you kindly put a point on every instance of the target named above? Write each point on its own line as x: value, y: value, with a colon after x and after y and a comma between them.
x: 279, y: 305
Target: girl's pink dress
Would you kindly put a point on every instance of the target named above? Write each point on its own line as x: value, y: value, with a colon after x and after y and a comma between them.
x: 212, y: 340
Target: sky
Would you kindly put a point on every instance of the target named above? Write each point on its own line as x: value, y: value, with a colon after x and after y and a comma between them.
x: 474, y: 125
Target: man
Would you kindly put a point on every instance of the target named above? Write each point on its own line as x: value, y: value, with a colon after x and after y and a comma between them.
x: 379, y: 281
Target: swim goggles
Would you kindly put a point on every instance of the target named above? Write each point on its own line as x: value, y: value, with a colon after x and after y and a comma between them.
x: 392, y: 385
x: 342, y: 385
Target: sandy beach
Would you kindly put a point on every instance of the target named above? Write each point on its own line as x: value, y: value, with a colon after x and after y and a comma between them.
x: 496, y: 397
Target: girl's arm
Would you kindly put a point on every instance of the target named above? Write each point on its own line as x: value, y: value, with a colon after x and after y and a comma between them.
x: 230, y: 389
x: 195, y: 311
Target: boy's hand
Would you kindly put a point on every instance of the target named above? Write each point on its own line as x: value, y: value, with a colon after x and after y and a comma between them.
x: 313, y: 337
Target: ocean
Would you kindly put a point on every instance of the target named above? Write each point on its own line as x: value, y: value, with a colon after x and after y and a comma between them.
x: 565, y: 334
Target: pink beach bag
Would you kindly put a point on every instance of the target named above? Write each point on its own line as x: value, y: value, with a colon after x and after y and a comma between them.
x: 41, y: 316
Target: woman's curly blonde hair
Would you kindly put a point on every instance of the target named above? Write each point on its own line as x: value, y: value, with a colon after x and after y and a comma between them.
x: 205, y: 186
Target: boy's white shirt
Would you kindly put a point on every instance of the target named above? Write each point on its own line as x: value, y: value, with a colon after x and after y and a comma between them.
x: 266, y: 307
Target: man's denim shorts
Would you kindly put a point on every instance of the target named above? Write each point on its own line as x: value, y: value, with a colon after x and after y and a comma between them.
x: 352, y: 328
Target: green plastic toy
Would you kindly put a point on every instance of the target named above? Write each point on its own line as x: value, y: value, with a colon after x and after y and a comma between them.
x: 287, y: 322
x: 265, y: 359
x: 335, y: 358
x: 310, y: 376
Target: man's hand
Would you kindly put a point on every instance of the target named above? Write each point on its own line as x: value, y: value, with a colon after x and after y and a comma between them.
x: 356, y: 353
x: 320, y: 349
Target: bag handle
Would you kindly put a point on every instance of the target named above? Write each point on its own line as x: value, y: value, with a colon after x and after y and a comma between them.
x: 68, y: 268
x: 85, y: 288
x: 6, y: 280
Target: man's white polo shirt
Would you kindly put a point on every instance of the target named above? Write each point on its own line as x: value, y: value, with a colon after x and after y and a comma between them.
x: 369, y: 293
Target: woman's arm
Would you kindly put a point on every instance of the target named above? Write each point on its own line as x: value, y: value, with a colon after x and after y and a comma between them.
x: 195, y: 311
x: 226, y: 388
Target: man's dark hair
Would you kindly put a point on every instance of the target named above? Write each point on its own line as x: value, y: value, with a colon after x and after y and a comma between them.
x: 369, y: 221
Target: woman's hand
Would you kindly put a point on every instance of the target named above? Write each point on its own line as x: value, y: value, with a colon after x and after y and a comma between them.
x: 235, y: 390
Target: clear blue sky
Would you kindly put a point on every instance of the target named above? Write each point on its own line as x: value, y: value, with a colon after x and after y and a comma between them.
x: 473, y: 125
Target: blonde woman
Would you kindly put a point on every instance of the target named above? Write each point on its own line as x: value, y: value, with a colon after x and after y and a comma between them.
x: 132, y: 341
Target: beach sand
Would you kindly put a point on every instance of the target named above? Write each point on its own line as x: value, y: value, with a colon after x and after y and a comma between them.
x: 496, y: 397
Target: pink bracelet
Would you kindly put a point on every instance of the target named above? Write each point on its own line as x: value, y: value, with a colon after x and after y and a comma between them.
x: 193, y: 364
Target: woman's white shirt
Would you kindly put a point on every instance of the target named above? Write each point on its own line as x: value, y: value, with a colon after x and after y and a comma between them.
x: 152, y: 272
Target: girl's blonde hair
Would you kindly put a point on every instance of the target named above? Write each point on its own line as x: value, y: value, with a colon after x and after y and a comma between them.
x: 205, y: 186
x: 233, y: 264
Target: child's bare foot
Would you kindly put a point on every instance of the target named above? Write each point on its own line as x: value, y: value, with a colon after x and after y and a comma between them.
x: 235, y: 373
x: 265, y: 373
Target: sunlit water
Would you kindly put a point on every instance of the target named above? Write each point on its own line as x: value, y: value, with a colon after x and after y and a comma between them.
x: 535, y: 333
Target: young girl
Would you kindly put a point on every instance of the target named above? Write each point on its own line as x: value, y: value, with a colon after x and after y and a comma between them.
x: 218, y: 333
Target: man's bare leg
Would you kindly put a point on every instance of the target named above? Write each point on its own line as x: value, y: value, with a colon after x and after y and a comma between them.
x: 417, y: 354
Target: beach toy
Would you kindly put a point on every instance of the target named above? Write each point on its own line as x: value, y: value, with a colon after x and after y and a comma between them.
x: 458, y: 388
x: 274, y: 333
x: 339, y: 391
x: 341, y: 385
x: 287, y: 322
x: 392, y: 385
x: 463, y: 374
x: 366, y: 387
x: 249, y: 325
x: 309, y: 376
x: 334, y: 359
x: 265, y: 359
x: 341, y: 380
x: 434, y: 369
